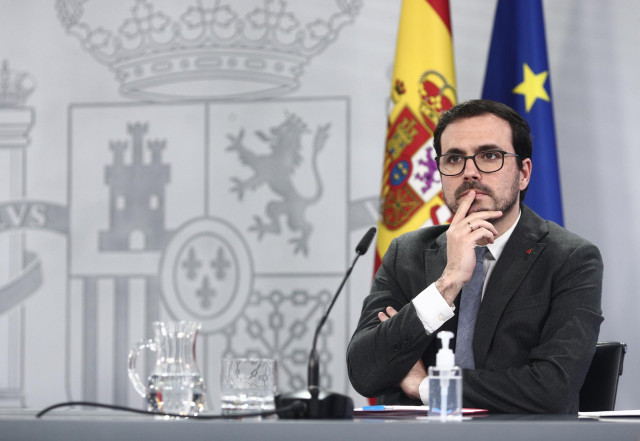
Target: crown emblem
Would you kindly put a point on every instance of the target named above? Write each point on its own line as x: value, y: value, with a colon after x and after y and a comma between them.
x: 197, y: 52
x: 15, y: 87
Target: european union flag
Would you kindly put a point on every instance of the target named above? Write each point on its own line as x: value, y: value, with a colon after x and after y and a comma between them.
x: 518, y: 76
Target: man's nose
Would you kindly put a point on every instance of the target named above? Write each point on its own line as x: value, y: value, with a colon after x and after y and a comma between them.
x: 470, y: 170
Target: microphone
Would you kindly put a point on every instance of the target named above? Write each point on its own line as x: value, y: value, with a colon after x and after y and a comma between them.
x: 319, y: 404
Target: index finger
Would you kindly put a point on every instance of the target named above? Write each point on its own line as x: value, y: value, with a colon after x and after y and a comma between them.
x: 462, y: 210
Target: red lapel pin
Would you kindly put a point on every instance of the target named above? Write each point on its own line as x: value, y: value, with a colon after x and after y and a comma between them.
x: 529, y: 251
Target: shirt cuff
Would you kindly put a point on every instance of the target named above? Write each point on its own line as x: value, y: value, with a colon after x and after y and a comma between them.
x: 433, y: 310
x: 423, y: 388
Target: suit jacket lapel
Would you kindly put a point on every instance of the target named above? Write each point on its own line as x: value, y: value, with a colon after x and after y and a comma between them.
x: 519, y: 254
x: 435, y: 259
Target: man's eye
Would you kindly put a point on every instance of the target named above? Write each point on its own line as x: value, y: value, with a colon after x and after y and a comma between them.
x: 452, y: 159
x: 490, y: 156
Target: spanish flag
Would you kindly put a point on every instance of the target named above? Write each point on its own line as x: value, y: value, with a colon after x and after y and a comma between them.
x: 423, y: 86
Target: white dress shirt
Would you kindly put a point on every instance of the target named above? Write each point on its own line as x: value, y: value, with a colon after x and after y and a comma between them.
x: 433, y: 310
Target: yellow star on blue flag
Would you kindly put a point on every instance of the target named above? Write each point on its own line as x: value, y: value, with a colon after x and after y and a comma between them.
x: 532, y: 87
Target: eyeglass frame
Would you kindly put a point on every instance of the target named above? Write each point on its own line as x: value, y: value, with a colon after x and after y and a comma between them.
x: 473, y: 158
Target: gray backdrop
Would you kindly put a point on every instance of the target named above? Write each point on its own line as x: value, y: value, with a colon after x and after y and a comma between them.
x: 156, y: 164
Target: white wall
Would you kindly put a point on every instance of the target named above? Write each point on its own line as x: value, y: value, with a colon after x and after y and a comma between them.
x: 593, y: 61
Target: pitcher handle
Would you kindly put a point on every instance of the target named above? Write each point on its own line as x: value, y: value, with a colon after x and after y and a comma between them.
x: 134, y: 377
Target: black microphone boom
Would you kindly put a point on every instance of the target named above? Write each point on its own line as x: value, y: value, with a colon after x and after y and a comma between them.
x: 318, y: 404
x: 361, y: 249
x: 365, y: 243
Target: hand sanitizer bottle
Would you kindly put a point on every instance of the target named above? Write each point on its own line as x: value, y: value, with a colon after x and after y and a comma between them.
x: 445, y: 384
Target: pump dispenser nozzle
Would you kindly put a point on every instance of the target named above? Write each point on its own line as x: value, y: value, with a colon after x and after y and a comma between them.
x: 445, y: 357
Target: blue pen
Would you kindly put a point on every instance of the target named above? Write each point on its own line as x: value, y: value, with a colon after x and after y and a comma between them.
x: 376, y: 407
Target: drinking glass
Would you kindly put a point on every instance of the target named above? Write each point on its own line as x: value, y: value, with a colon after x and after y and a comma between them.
x: 247, y: 385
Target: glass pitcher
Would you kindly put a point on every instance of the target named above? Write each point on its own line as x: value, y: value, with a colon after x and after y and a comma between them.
x: 175, y: 384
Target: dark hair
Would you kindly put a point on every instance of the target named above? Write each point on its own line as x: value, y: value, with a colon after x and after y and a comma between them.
x: 520, y: 131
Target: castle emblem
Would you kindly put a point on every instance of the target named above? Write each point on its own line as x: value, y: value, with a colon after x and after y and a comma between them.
x: 275, y: 170
x: 136, y: 202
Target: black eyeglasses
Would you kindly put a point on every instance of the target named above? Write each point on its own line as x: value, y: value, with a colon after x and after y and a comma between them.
x: 490, y: 161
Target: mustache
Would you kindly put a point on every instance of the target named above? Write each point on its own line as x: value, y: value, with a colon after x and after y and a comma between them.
x: 472, y: 185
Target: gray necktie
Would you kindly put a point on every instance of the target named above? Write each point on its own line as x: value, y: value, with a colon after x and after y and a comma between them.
x: 469, y: 304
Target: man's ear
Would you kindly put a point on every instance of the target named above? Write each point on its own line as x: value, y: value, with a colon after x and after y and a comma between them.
x: 525, y: 173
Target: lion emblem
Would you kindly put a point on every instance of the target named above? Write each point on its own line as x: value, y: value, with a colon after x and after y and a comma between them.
x: 275, y: 170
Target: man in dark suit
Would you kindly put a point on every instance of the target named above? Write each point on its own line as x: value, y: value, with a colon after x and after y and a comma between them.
x: 538, y: 321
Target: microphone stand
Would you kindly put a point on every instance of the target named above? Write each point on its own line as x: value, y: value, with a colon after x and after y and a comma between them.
x: 318, y: 404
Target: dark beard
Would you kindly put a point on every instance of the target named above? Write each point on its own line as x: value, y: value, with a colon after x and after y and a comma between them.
x: 505, y: 205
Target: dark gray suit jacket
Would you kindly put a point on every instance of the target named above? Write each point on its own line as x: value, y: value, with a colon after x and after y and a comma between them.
x: 536, y: 330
